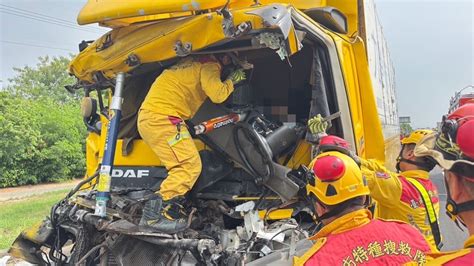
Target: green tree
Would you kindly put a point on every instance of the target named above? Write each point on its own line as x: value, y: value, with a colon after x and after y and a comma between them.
x: 405, y: 129
x: 40, y: 124
x: 45, y: 81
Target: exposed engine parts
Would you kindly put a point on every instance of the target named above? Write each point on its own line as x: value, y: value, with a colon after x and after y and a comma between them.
x: 230, y: 208
x: 218, y: 235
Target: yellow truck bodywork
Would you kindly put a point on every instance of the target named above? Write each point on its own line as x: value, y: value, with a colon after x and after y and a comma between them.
x: 150, y: 31
x: 119, y: 13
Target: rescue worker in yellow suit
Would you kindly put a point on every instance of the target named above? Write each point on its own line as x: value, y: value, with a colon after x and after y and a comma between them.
x: 175, y: 96
x: 409, y: 195
x: 349, y: 235
x: 453, y: 150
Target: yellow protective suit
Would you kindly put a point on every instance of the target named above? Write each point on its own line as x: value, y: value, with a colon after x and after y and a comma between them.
x: 461, y: 257
x: 396, y: 198
x: 176, y: 95
x: 181, y: 90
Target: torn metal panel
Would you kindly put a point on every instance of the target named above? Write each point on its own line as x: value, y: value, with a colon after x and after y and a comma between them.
x: 275, y: 16
x: 273, y: 41
x: 123, y: 49
x: 278, y: 16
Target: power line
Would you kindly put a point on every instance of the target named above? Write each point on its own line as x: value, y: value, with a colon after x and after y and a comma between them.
x: 47, y: 17
x: 37, y: 18
x: 36, y: 45
x: 42, y: 15
x: 46, y: 21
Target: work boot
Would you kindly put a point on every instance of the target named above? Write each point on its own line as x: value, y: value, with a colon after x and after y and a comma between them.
x: 166, y: 216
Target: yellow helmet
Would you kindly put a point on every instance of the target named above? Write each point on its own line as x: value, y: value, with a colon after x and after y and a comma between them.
x: 416, y: 136
x: 337, y: 178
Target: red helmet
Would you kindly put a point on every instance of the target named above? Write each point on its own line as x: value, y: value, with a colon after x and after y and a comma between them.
x: 338, y: 178
x: 333, y: 143
x: 459, y: 127
x: 454, y: 145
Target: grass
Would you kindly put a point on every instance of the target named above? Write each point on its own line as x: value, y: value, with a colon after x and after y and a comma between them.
x: 17, y: 215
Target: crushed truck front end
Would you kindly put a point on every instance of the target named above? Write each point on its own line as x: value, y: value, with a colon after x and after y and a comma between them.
x: 307, y: 58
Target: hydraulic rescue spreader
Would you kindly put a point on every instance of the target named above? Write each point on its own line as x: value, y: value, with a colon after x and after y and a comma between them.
x: 103, y: 188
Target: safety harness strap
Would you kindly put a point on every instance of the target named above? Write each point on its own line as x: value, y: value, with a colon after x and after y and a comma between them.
x: 430, y: 211
x: 421, y: 165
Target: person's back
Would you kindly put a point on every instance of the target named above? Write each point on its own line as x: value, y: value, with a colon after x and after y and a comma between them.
x: 408, y: 196
x: 349, y: 235
x: 356, y: 239
x: 180, y: 90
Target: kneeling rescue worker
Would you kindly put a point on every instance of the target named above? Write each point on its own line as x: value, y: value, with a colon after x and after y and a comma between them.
x: 453, y: 150
x: 349, y: 235
x: 175, y: 96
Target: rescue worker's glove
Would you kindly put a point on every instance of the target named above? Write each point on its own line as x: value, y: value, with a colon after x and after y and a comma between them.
x: 237, y: 76
x: 317, y: 125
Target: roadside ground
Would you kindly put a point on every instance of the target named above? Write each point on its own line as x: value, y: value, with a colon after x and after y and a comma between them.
x: 21, y: 207
x: 16, y: 193
x: 17, y: 215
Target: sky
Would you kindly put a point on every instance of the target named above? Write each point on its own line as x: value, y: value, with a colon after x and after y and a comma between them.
x: 33, y: 28
x: 431, y: 45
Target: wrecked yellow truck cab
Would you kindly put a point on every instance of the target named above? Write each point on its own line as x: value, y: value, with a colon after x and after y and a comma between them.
x: 301, y: 58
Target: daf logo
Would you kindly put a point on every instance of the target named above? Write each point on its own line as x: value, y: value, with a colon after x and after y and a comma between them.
x: 130, y: 173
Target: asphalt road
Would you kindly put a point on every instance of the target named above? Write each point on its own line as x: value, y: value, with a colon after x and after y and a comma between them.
x: 453, y: 238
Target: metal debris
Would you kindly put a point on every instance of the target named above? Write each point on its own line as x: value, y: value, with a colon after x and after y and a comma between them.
x: 275, y: 16
x: 182, y: 49
x: 273, y: 41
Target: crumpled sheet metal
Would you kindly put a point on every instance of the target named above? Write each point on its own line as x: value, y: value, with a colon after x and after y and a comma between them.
x: 275, y: 16
x: 156, y: 41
